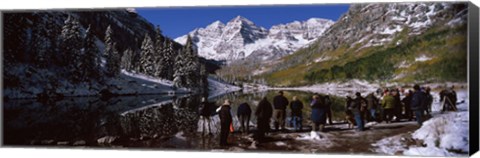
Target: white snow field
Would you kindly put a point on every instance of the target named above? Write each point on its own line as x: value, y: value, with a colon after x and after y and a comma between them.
x: 446, y: 134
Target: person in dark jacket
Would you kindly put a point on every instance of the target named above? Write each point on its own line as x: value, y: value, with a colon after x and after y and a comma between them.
x: 398, y: 104
x: 318, y: 113
x: 406, y: 103
x: 328, y: 104
x: 448, y: 99
x: 296, y: 107
x: 243, y: 114
x: 280, y: 104
x: 372, y: 104
x: 428, y: 106
x: 225, y: 121
x: 359, y: 106
x: 205, y: 111
x: 263, y: 114
x: 418, y: 100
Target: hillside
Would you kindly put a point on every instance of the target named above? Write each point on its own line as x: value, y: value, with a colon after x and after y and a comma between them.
x: 395, y: 42
x: 84, y: 53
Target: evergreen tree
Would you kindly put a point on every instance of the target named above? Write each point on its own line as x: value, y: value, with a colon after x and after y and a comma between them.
x: 108, y: 41
x: 170, y: 55
x: 91, y: 57
x: 159, y: 40
x: 53, y: 33
x: 112, y: 57
x: 166, y: 61
x: 39, y: 46
x: 179, y: 75
x: 127, y: 60
x: 71, y: 48
x: 14, y: 48
x: 191, y: 64
x: 158, y: 51
x: 147, y: 56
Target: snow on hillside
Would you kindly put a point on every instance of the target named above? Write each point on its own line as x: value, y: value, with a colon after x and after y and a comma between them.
x: 126, y: 84
x: 445, y: 134
x: 143, y: 84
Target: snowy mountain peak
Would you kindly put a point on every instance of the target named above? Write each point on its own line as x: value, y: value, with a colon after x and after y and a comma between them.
x: 241, y: 38
x: 241, y: 19
x: 216, y: 25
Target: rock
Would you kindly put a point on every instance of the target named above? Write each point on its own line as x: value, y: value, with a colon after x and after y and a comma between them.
x: 47, y: 142
x: 62, y: 143
x: 79, y: 143
x: 34, y: 142
x: 253, y: 145
x: 236, y: 149
x: 106, y: 140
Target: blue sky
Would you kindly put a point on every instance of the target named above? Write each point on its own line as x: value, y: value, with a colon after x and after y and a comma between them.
x: 179, y: 21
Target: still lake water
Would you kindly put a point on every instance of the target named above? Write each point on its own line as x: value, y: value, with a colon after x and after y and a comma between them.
x: 83, y: 120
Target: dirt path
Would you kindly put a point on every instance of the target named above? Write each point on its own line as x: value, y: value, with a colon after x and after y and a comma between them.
x: 337, y: 139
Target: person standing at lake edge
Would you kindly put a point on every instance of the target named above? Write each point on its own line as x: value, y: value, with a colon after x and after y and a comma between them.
x: 205, y: 111
x: 428, y: 107
x: 448, y: 99
x: 406, y: 102
x: 243, y: 114
x: 280, y: 104
x: 372, y: 105
x: 328, y: 104
x: 296, y: 107
x: 359, y: 107
x: 225, y: 121
x: 318, y: 114
x: 418, y: 101
x: 388, y: 104
x: 398, y: 104
x: 263, y: 114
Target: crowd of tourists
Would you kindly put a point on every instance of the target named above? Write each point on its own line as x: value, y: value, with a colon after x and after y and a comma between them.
x: 385, y: 105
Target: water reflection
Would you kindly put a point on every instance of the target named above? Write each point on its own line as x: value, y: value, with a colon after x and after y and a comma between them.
x: 143, y: 121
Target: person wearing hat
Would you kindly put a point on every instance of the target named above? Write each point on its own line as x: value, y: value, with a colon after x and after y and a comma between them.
x: 280, y: 104
x: 225, y: 121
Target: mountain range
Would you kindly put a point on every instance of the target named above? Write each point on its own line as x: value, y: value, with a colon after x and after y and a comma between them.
x: 241, y: 38
x: 393, y: 42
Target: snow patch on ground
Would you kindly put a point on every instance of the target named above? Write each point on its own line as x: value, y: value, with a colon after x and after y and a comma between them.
x: 312, y: 136
x: 322, y: 59
x: 422, y: 58
x: 280, y: 144
x: 391, y: 145
x: 446, y: 134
